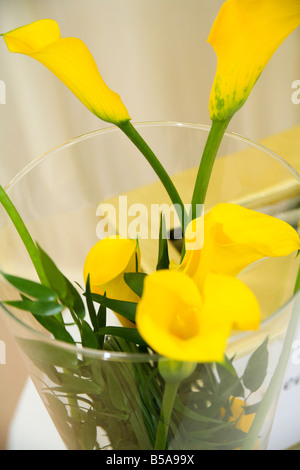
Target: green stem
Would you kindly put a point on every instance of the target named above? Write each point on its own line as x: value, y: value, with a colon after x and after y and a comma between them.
x: 297, y: 283
x: 276, y: 381
x: 130, y: 131
x: 24, y: 234
x: 211, y: 148
x: 165, y: 415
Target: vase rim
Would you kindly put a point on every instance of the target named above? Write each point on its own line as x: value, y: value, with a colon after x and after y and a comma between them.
x: 110, y: 129
x: 118, y: 355
x: 134, y: 357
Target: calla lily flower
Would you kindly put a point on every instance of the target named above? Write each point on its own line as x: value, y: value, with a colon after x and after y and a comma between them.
x: 181, y: 321
x: 188, y: 311
x: 71, y: 61
x: 244, y: 36
x: 235, y: 237
x: 106, y: 263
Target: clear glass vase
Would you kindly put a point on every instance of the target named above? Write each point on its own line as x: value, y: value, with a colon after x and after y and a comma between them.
x: 115, y: 398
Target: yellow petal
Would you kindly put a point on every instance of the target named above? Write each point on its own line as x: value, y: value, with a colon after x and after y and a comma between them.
x: 174, y: 320
x: 244, y: 36
x: 106, y: 264
x: 71, y: 61
x: 235, y: 237
x: 229, y: 300
x: 238, y: 409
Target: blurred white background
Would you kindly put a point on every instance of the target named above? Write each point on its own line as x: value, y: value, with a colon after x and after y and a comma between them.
x: 155, y: 55
x: 152, y: 52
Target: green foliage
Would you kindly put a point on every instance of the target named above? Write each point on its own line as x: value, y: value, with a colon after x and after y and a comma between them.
x: 125, y: 399
x: 130, y: 334
x: 136, y: 282
x: 126, y: 309
x: 38, y: 307
x: 163, y: 252
x: 34, y: 289
x: 256, y: 368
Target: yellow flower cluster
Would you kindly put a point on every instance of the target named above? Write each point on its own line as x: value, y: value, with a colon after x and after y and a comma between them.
x: 187, y: 312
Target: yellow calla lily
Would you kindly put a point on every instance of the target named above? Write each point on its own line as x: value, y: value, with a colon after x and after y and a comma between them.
x: 71, y: 61
x: 185, y: 323
x: 106, y: 263
x: 244, y: 36
x: 235, y: 237
x: 188, y: 311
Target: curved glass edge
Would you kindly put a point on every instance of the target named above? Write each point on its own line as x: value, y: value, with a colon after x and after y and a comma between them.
x: 116, y: 355
x: 106, y: 130
x: 141, y: 357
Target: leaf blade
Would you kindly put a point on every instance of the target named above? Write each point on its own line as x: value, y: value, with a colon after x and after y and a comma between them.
x: 136, y: 282
x: 34, y: 289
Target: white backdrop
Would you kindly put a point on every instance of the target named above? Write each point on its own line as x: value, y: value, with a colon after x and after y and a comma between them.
x: 152, y: 52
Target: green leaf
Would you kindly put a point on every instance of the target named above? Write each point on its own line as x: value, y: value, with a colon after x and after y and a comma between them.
x: 195, y: 415
x: 117, y: 394
x: 136, y: 282
x: 250, y: 409
x: 101, y: 320
x: 65, y: 290
x: 127, y: 309
x: 90, y: 304
x: 229, y: 378
x: 55, y: 277
x: 256, y: 368
x: 96, y: 368
x: 89, y: 430
x: 38, y: 307
x: 130, y: 334
x: 74, y: 384
x: 76, y: 302
x: 58, y: 412
x: 49, y: 352
x: 88, y: 337
x: 163, y: 252
x: 56, y: 328
x: 31, y: 288
x: 297, y: 283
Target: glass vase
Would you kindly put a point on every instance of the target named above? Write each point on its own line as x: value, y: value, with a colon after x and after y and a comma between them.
x: 115, y: 398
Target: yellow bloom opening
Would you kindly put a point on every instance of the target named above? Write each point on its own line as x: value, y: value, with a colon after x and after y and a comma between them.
x: 187, y: 324
x: 235, y: 237
x: 244, y: 36
x: 71, y: 61
x: 188, y: 312
x: 106, y: 263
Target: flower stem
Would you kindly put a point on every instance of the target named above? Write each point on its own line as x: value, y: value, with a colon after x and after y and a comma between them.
x: 131, y: 132
x: 165, y: 414
x: 211, y: 148
x: 24, y: 234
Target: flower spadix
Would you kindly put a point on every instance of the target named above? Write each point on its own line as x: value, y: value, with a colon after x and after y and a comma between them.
x: 71, y: 61
x: 244, y: 36
x: 188, y: 311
